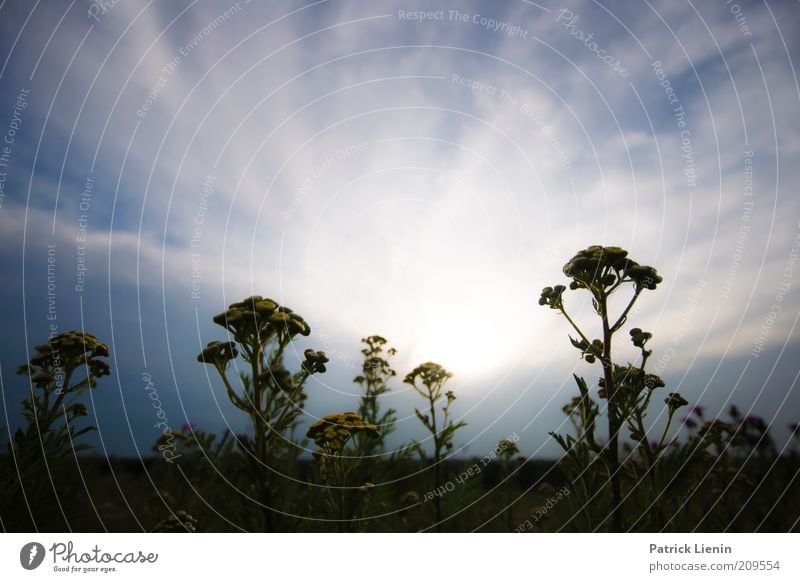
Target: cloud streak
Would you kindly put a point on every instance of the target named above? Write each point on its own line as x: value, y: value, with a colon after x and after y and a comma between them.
x: 419, y: 179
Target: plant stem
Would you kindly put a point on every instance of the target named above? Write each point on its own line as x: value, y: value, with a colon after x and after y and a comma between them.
x: 666, y: 429
x: 437, y: 470
x: 613, y: 420
x: 622, y: 318
x: 259, y: 426
x: 569, y: 319
x: 231, y: 393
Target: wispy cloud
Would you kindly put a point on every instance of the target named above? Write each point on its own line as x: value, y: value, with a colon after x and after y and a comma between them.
x: 423, y: 179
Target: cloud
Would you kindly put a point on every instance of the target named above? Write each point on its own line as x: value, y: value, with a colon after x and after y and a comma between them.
x: 423, y: 180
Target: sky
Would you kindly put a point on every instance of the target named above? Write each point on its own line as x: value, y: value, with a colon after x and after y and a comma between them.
x: 415, y: 170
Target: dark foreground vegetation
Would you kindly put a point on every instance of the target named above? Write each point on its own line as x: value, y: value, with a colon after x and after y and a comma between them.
x: 618, y: 472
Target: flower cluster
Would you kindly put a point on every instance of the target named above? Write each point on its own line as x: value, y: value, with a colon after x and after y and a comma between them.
x: 257, y: 319
x: 65, y: 352
x: 639, y: 338
x: 431, y: 375
x: 315, y: 361
x: 674, y: 401
x: 506, y: 447
x: 600, y: 268
x: 553, y: 296
x: 331, y: 433
x: 218, y: 354
x: 630, y: 381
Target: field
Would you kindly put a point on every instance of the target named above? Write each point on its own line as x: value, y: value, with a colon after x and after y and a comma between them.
x: 616, y: 472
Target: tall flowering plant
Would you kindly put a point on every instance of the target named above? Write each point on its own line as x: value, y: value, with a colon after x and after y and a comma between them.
x: 626, y: 388
x: 59, y: 374
x: 428, y: 380
x: 271, y: 395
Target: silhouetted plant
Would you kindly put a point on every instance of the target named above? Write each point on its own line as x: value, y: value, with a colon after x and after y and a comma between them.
x: 377, y: 463
x: 428, y: 380
x: 333, y: 463
x: 270, y: 394
x: 719, y: 473
x: 602, y: 271
x: 59, y: 373
x: 725, y: 474
x: 376, y: 372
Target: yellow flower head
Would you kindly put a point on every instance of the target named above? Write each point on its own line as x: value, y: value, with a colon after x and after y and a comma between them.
x: 334, y: 430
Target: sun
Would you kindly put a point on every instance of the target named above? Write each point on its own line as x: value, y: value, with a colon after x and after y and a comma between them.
x: 437, y: 274
x: 434, y: 306
x: 468, y: 337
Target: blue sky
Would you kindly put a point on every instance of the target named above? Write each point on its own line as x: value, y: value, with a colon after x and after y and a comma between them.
x: 418, y: 178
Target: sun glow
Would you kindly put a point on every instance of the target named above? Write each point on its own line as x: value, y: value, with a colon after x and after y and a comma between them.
x: 432, y: 279
x: 469, y: 340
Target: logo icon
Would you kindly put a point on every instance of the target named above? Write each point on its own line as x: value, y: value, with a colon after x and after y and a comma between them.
x: 31, y: 555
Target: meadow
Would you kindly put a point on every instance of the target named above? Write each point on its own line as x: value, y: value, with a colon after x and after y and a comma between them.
x: 616, y: 473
